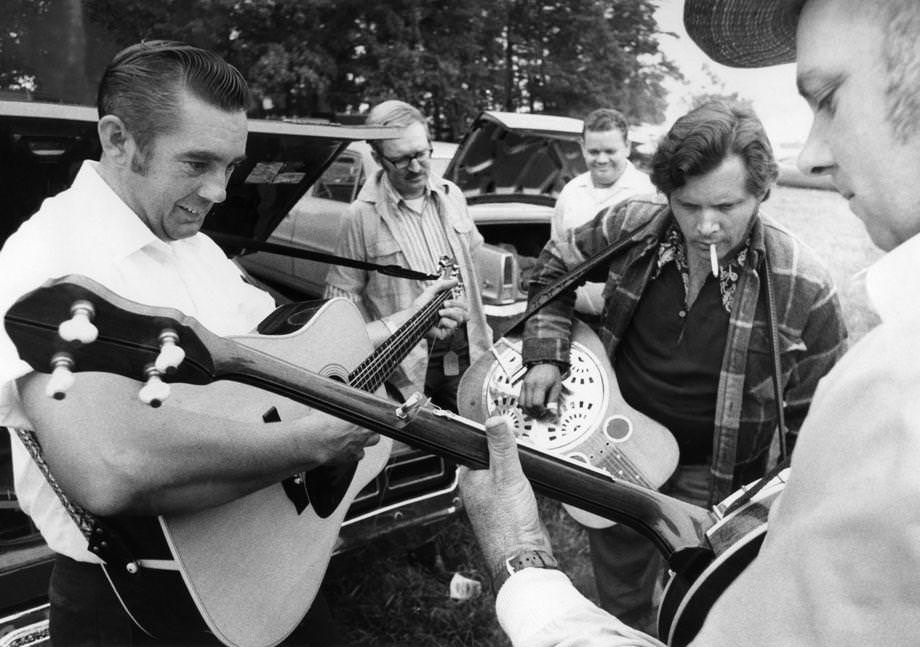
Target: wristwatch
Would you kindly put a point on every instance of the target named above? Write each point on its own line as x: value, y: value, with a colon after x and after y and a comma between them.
x: 524, y: 559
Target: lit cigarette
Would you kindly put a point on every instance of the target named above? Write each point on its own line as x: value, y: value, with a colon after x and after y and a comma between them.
x: 714, y: 259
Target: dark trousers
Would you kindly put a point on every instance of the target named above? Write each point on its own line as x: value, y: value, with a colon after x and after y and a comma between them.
x: 86, y: 613
x: 440, y: 386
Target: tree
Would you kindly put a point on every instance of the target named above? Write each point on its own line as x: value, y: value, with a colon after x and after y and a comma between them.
x: 304, y: 57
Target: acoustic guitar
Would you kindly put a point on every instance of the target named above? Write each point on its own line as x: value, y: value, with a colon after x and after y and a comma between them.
x: 129, y: 340
x: 271, y: 530
x: 594, y: 423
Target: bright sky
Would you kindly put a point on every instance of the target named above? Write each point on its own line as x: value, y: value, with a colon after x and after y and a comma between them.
x: 771, y: 90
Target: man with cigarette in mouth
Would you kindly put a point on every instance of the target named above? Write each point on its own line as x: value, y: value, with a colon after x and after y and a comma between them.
x: 687, y: 328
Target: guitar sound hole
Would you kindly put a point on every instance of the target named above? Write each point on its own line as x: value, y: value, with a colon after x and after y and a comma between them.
x: 617, y: 428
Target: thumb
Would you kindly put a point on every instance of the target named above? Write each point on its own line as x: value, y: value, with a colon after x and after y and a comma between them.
x: 504, y: 462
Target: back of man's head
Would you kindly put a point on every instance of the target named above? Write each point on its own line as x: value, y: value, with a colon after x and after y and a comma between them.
x: 143, y: 84
x: 703, y: 138
x: 606, y: 119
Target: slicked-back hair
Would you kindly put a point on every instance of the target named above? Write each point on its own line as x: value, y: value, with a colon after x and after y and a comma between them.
x: 606, y: 119
x: 393, y: 112
x: 143, y: 83
x: 699, y: 141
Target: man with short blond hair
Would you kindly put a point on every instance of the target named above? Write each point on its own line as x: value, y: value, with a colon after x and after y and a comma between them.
x: 405, y: 215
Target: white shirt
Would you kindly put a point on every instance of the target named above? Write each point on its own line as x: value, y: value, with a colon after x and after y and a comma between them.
x: 89, y: 230
x: 840, y: 564
x: 578, y: 202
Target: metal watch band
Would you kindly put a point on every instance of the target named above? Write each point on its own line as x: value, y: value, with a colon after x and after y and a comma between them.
x: 525, y: 559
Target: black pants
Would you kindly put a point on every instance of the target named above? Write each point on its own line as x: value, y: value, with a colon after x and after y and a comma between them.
x: 440, y: 386
x: 86, y: 613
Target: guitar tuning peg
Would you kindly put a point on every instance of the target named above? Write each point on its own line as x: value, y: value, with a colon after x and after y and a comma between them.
x: 171, y: 354
x: 79, y: 328
x: 155, y: 391
x: 62, y: 377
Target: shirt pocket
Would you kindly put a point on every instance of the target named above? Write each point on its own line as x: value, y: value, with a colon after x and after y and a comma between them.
x: 385, y: 250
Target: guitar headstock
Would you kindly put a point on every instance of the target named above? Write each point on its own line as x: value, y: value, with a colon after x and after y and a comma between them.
x: 449, y: 269
x: 75, y: 324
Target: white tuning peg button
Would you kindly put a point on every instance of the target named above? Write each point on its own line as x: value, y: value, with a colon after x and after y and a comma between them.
x: 155, y: 391
x: 171, y: 354
x: 79, y: 328
x: 62, y: 378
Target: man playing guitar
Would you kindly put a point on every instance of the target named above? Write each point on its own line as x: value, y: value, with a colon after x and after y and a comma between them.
x: 173, y: 127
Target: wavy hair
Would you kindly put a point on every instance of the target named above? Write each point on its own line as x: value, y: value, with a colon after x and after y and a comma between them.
x: 699, y: 141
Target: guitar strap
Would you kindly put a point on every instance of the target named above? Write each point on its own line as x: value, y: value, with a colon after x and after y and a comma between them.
x: 102, y: 541
x: 783, y: 461
x: 398, y: 271
x: 568, y: 280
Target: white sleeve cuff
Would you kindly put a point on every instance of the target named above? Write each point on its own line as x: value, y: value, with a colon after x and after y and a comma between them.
x: 532, y: 598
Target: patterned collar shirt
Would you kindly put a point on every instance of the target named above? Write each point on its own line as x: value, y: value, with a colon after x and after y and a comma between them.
x: 812, y: 335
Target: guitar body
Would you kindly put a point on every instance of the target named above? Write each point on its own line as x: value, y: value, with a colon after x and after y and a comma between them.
x: 595, y: 425
x: 736, y: 540
x: 253, y: 566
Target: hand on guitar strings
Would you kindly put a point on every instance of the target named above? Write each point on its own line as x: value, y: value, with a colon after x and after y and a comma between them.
x: 453, y: 312
x: 541, y: 391
x: 500, y: 502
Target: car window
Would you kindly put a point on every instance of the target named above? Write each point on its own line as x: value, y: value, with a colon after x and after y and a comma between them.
x: 342, y: 179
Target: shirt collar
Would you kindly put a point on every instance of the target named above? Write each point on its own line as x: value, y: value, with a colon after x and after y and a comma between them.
x: 584, y: 179
x: 122, y: 229
x: 893, y: 283
x: 673, y: 250
x: 382, y: 189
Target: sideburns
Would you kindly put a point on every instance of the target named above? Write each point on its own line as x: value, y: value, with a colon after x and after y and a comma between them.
x: 140, y: 162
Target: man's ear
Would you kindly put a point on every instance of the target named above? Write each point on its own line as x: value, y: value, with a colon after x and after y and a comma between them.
x: 117, y: 143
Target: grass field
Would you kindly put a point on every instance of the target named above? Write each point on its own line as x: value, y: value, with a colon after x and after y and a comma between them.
x: 394, y: 596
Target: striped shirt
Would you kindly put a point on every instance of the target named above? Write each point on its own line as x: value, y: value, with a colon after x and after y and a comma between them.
x: 379, y: 227
x: 811, y: 328
x: 426, y: 242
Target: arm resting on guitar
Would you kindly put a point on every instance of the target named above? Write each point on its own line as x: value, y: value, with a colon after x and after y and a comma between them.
x: 536, y: 607
x: 113, y: 454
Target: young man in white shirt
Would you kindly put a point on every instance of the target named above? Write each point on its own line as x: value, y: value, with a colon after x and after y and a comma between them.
x: 610, y: 179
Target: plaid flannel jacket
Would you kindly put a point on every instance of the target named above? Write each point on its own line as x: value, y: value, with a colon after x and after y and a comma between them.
x: 810, y: 322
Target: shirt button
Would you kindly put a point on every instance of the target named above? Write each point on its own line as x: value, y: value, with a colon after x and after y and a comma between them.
x: 682, y: 314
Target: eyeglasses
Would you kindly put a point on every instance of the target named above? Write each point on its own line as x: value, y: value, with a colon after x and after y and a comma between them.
x: 403, y: 162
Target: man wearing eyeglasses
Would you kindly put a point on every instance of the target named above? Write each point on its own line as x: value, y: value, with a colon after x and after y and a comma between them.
x: 406, y: 216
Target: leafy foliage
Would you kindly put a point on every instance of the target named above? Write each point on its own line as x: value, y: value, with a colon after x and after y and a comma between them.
x: 315, y: 57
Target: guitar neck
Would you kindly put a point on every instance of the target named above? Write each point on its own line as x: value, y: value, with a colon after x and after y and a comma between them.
x: 677, y: 528
x: 374, y: 370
